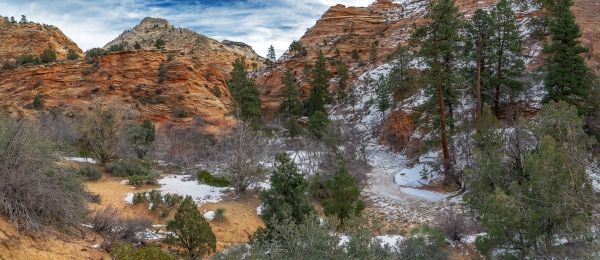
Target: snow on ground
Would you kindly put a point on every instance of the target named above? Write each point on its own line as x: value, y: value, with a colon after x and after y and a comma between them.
x: 209, y: 215
x: 390, y: 241
x: 181, y: 185
x: 259, y: 209
x: 202, y: 193
x: 80, y: 159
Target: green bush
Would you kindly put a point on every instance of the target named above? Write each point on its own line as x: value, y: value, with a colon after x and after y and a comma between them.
x: 37, y: 101
x: 72, y: 55
x: 139, y: 180
x: 220, y: 214
x: 95, y: 53
x: 206, y: 177
x: 90, y: 173
x: 139, y: 197
x: 48, y: 56
x: 26, y: 59
x: 116, y: 47
x: 126, y: 168
x: 130, y: 252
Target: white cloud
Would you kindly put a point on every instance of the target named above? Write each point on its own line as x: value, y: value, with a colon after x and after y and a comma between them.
x: 94, y: 23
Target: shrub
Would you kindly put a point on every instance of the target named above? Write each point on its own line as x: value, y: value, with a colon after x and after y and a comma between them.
x: 95, y: 53
x: 207, y: 178
x: 72, y: 55
x: 220, y: 214
x: 181, y: 113
x: 48, y: 56
x: 26, y: 59
x: 113, y: 227
x: 90, y: 173
x: 127, y: 168
x: 139, y: 197
x: 9, y: 65
x: 34, y: 190
x: 159, y: 44
x: 139, y: 180
x: 116, y: 47
x: 425, y: 243
x: 137, y: 46
x: 126, y: 251
x: 101, y: 132
x: 452, y: 224
x: 37, y: 101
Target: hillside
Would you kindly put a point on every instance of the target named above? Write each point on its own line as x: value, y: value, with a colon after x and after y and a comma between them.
x: 32, y: 38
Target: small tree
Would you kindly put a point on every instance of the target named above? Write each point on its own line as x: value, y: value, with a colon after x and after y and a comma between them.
x: 343, y: 201
x: 191, y: 230
x: 48, y: 56
x: 291, y: 107
x: 318, y: 124
x: 355, y: 55
x: 159, y: 44
x: 37, y: 101
x: 23, y: 19
x: 137, y: 45
x: 288, y: 196
x: 141, y: 137
x: 373, y: 52
x: 271, y: 57
x: 342, y: 75
x: 72, y: 55
x: 383, y: 94
x: 100, y: 132
x: 12, y: 19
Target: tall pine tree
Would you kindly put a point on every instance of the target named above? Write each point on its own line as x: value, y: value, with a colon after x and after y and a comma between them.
x: 567, y: 75
x: 244, y: 92
x: 291, y: 106
x: 440, y: 44
x: 344, y: 197
x: 479, y: 32
x: 507, y: 53
x: 319, y: 92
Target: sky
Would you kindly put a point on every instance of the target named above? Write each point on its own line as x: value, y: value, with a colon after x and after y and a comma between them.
x: 260, y: 23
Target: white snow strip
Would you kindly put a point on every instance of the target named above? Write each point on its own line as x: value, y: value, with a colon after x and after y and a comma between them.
x: 80, y: 159
x: 209, y: 215
x: 201, y: 193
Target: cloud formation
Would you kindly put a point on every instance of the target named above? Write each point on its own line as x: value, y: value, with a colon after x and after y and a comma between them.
x: 259, y: 23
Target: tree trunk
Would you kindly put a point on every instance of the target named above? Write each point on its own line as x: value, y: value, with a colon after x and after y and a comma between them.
x: 478, y: 86
x: 448, y: 176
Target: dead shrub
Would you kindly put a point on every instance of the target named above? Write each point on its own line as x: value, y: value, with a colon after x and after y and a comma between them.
x: 453, y: 224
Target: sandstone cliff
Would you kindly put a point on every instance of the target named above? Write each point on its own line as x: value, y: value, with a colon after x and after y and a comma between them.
x: 32, y: 38
x: 166, y: 87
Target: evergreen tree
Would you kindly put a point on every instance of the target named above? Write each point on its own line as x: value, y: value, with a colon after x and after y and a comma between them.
x: 191, y: 230
x: 550, y: 198
x: 290, y: 103
x: 319, y: 92
x: 244, y: 92
x: 137, y: 45
x: 23, y: 19
x: 288, y: 196
x: 141, y: 137
x: 507, y: 48
x: 318, y: 124
x: 12, y: 19
x: 291, y: 106
x: 343, y: 200
x: 479, y: 40
x: 342, y: 75
x: 159, y: 44
x: 48, y: 56
x: 383, y: 95
x: 567, y: 75
x: 373, y: 52
x: 439, y: 45
x: 271, y: 54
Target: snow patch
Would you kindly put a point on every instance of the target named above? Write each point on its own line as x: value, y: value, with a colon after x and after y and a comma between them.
x: 201, y: 193
x: 209, y: 215
x: 80, y: 159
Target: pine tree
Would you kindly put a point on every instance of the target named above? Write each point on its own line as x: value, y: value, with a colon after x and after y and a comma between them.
x: 567, y: 75
x: 191, y: 230
x: 319, y: 92
x: 440, y: 43
x: 271, y: 54
x: 290, y: 103
x: 507, y: 48
x: 291, y: 106
x: 72, y: 55
x: 400, y: 80
x: 383, y: 94
x: 479, y: 32
x: 373, y: 52
x: 137, y: 45
x: 23, y: 19
x: 288, y: 196
x: 344, y: 197
x: 12, y: 19
x: 342, y: 75
x: 244, y: 92
x: 318, y: 124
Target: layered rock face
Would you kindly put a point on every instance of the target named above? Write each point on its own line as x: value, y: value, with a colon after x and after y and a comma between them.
x: 173, y: 90
x: 32, y: 38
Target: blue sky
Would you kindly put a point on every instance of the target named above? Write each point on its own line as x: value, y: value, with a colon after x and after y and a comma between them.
x: 259, y: 23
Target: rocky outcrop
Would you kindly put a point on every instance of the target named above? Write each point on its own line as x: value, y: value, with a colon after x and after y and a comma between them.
x: 166, y: 87
x: 191, y: 43
x: 32, y: 38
